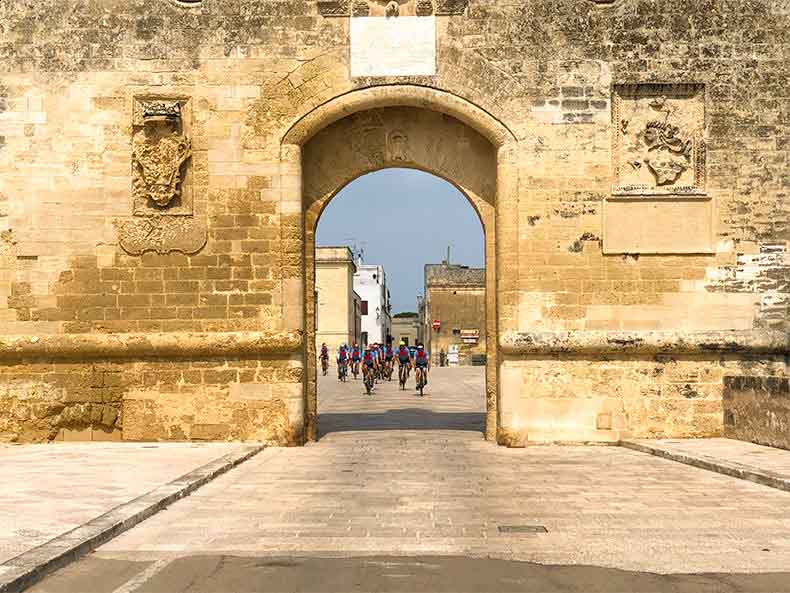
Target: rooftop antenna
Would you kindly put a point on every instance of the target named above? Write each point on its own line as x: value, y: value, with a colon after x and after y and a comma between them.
x: 357, y: 252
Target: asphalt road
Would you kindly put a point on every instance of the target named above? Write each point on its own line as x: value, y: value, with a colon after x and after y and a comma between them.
x: 234, y: 574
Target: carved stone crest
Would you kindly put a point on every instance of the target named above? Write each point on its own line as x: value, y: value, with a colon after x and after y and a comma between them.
x: 424, y: 8
x: 163, y: 206
x: 668, y: 153
x: 361, y: 8
x: 160, y: 150
x: 368, y: 139
x: 159, y: 165
x: 658, y: 139
x: 397, y: 146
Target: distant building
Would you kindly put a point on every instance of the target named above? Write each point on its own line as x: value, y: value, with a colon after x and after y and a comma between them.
x: 453, y: 313
x: 338, y: 307
x: 370, y: 283
x: 405, y: 329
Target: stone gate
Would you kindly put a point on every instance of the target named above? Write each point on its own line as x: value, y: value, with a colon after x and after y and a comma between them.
x: 163, y: 165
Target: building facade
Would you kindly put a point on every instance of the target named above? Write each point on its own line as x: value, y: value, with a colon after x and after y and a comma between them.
x: 405, y: 329
x: 370, y: 283
x: 338, y: 307
x: 455, y: 311
x: 163, y: 166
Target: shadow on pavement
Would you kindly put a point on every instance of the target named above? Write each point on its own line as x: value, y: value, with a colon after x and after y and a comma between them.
x: 223, y: 573
x: 401, y: 419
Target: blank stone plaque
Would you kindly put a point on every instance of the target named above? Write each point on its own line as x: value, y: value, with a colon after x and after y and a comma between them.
x: 397, y: 46
x: 658, y: 226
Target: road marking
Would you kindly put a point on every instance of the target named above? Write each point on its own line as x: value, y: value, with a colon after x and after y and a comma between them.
x: 142, y: 578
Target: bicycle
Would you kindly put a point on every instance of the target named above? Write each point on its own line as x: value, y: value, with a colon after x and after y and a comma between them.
x: 369, y: 381
x: 421, y: 380
x: 403, y: 375
x: 324, y: 365
x: 355, y: 369
x: 342, y: 372
x: 388, y: 370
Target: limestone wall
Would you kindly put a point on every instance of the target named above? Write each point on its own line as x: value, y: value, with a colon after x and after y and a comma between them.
x: 757, y: 409
x: 631, y: 176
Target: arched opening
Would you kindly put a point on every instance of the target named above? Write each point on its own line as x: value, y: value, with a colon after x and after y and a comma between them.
x: 407, y: 137
x: 397, y: 249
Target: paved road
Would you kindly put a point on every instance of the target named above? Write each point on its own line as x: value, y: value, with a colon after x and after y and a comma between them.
x: 436, y: 508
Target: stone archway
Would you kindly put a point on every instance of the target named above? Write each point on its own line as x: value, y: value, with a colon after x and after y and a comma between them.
x: 410, y: 127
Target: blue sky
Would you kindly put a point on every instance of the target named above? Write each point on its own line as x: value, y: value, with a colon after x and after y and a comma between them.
x: 378, y: 212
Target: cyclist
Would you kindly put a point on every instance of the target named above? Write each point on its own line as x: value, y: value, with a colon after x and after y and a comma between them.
x: 324, y: 357
x: 356, y: 356
x: 404, y: 360
x: 374, y: 352
x: 422, y: 364
x: 342, y: 361
x: 403, y: 354
x: 388, y: 356
x: 369, y: 363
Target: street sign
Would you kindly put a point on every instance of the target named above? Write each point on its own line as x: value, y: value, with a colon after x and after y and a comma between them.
x: 437, y: 324
x: 470, y: 336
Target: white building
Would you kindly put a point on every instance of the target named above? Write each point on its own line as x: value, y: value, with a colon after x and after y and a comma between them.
x: 370, y: 283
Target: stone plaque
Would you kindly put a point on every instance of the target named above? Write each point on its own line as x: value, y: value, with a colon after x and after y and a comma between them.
x: 162, y: 234
x: 393, y: 46
x: 659, y: 139
x: 669, y: 225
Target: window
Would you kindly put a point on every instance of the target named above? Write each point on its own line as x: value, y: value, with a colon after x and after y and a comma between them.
x: 364, y: 307
x: 456, y: 332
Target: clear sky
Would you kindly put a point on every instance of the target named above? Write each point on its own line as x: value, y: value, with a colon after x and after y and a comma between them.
x: 378, y: 212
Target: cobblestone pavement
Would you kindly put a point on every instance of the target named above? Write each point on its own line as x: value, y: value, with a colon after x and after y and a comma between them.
x: 46, y: 490
x: 437, y: 488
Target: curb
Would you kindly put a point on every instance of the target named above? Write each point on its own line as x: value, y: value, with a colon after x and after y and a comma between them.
x: 31, y: 566
x: 735, y: 470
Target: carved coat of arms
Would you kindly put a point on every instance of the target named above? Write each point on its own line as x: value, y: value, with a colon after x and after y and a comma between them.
x: 658, y: 140
x: 163, y: 219
x: 159, y: 152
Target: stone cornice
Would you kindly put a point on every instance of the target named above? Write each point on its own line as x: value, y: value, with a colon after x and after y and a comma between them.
x: 645, y: 342
x: 168, y: 346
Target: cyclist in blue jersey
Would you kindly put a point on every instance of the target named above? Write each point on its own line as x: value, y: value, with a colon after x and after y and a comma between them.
x: 422, y: 364
x: 369, y: 366
x: 403, y: 357
x: 342, y: 362
x: 356, y: 356
x: 389, y: 355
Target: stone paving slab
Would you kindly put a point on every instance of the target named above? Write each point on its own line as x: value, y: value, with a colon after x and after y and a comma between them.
x: 368, y: 487
x: 47, y: 490
x: 764, y: 465
x: 31, y: 566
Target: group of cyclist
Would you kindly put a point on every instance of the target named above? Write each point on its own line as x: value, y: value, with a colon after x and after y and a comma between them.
x: 379, y: 361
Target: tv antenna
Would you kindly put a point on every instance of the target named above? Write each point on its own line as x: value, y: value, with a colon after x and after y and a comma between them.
x: 357, y: 248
